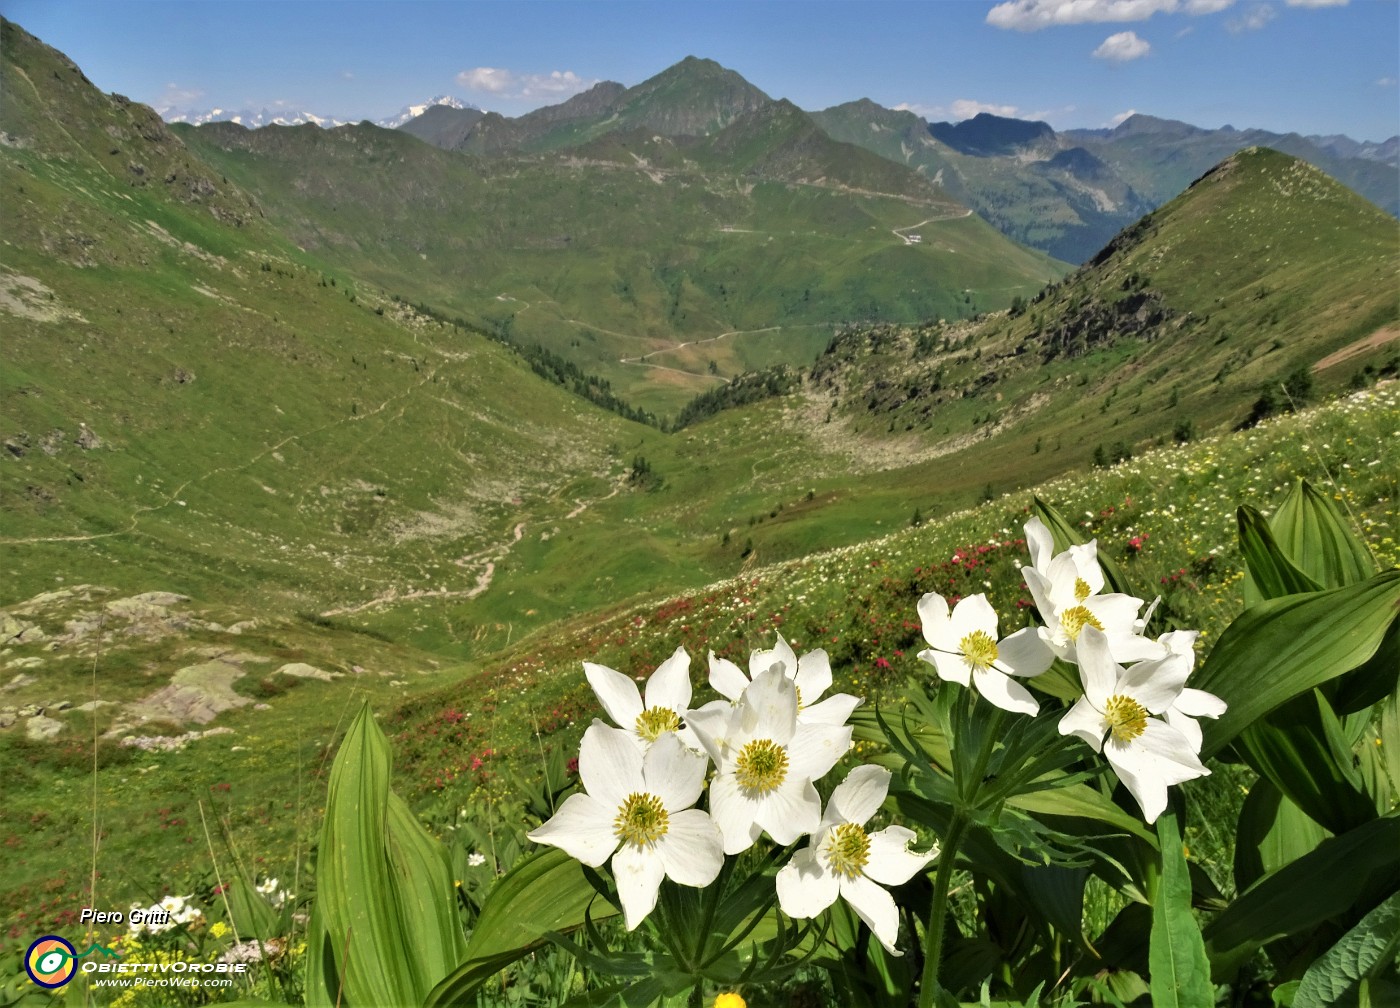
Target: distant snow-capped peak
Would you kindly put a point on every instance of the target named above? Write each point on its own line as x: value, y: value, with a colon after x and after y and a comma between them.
x: 253, y: 119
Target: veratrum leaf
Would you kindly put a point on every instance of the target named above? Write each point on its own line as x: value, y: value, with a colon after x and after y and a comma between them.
x: 1313, y: 533
x: 1352, y: 872
x: 1271, y: 573
x: 1179, y: 970
x: 1272, y: 831
x: 1283, y: 647
x: 385, y: 927
x: 253, y: 916
x: 1332, y: 980
x: 545, y: 891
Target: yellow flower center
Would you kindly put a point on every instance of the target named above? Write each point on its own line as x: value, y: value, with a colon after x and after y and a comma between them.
x: 848, y: 850
x: 1125, y: 716
x: 641, y: 819
x: 762, y: 766
x: 729, y: 999
x: 979, y: 649
x: 653, y: 722
x: 1076, y: 619
x: 1081, y: 590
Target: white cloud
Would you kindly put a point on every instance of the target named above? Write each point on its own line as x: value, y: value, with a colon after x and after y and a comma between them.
x: 1253, y: 19
x: 1123, y: 117
x: 176, y: 97
x: 1385, y: 82
x: 511, y: 85
x: 1122, y: 47
x: 1316, y: 3
x: 957, y: 111
x: 1033, y: 15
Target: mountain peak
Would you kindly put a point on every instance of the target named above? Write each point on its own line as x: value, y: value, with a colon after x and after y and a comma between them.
x: 986, y: 134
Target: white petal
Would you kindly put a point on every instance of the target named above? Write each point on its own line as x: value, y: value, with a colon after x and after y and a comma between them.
x: 1086, y: 722
x: 834, y: 710
x: 791, y: 810
x: 891, y: 861
x: 970, y: 615
x: 1147, y: 765
x: 582, y: 829
x: 1041, y: 589
x: 692, y: 850
x: 1117, y: 612
x: 1098, y: 672
x: 1187, y: 726
x: 1155, y: 684
x: 616, y: 692
x: 815, y: 748
x: 781, y: 655
x: 805, y: 887
x: 860, y: 795
x: 1025, y: 653
x: 876, y: 907
x: 1086, y: 565
x: 1004, y: 692
x: 609, y: 764
x: 638, y: 873
x: 933, y: 614
x: 727, y: 678
x: 1039, y: 543
x: 1199, y: 703
x: 1182, y: 642
x: 813, y: 675
x: 711, y: 725
x: 674, y: 773
x: 669, y: 685
x: 734, y: 813
x: 951, y: 667
x: 768, y: 710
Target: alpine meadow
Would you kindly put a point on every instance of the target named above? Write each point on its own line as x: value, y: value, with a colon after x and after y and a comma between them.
x: 674, y: 548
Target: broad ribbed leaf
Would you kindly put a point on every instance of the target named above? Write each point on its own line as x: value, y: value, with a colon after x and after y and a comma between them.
x: 545, y: 891
x: 1271, y: 832
x: 1351, y: 873
x: 253, y: 916
x: 1271, y: 574
x: 385, y: 927
x: 1310, y: 530
x: 1332, y: 980
x: 1283, y: 647
x: 1299, y: 747
x: 1179, y: 972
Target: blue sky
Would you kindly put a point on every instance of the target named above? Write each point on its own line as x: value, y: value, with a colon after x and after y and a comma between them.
x: 1311, y: 66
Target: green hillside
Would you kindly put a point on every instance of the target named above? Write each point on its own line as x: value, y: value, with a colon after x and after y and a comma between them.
x: 634, y: 243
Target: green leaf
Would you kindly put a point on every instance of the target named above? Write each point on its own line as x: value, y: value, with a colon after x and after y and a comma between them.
x: 1333, y: 980
x: 1286, y: 646
x: 1299, y: 747
x: 1310, y: 530
x: 253, y: 916
x: 545, y: 891
x: 1066, y: 535
x: 385, y: 926
x: 1271, y: 832
x: 1271, y: 574
x: 1179, y: 971
x: 1345, y: 875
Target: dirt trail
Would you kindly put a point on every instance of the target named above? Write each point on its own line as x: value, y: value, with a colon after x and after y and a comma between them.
x: 1378, y: 338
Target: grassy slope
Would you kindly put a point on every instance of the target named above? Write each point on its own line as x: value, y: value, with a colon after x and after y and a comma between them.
x: 668, y: 245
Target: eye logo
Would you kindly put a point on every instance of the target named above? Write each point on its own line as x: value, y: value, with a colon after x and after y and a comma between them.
x: 51, y: 962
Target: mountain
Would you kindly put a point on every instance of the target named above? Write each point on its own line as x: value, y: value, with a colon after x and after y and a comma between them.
x: 1020, y: 176
x: 1264, y: 270
x: 443, y: 126
x: 629, y: 243
x: 258, y: 118
x: 1069, y: 193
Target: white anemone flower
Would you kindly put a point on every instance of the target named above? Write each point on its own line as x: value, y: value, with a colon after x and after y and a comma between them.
x: 811, y: 674
x: 1190, y: 704
x: 636, y: 809
x: 668, y: 693
x: 963, y: 647
x: 1115, y: 717
x: 765, y: 762
x: 846, y: 861
x: 1067, y: 591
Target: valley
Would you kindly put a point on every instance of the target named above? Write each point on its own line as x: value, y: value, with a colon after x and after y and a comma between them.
x: 298, y: 419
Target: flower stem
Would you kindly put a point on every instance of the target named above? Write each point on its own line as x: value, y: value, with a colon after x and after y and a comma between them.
x: 938, y: 911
